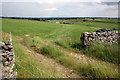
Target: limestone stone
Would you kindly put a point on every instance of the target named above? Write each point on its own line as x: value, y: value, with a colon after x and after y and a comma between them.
x: 102, y: 35
x: 7, y: 53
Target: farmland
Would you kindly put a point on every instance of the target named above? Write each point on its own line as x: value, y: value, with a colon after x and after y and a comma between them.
x: 50, y: 50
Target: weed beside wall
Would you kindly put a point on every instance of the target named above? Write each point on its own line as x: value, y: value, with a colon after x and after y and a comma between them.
x: 102, y: 44
x: 104, y: 51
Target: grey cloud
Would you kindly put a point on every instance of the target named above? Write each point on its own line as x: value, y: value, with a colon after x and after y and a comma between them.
x: 109, y: 3
x: 34, y: 9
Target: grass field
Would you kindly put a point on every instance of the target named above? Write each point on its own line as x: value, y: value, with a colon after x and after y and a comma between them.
x: 57, y: 42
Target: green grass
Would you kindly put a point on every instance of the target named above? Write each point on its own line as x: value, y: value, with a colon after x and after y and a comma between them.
x: 42, y: 29
x: 21, y: 27
x: 100, y: 25
x: 63, y: 35
x: 96, y: 69
x: 28, y: 65
x: 32, y: 65
x: 104, y: 51
x: 91, y: 69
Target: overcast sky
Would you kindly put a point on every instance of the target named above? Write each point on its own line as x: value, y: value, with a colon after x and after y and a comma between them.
x: 60, y: 8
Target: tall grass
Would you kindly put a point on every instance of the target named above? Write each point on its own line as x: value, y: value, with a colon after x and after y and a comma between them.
x: 50, y: 51
x: 104, y: 51
x: 90, y: 69
x: 28, y: 65
x: 93, y: 70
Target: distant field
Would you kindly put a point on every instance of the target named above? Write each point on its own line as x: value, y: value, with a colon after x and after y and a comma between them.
x: 93, y: 20
x: 54, y: 41
x: 109, y: 20
x: 100, y: 25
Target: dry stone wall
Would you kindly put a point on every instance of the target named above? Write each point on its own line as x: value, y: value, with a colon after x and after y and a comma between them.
x: 8, y: 59
x: 101, y: 35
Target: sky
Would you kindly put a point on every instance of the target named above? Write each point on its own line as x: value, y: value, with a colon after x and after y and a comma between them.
x: 59, y: 8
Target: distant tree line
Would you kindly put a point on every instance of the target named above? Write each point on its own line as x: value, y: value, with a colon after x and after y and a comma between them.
x: 56, y: 18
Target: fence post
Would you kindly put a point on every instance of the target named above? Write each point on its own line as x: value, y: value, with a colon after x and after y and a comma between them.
x: 10, y: 37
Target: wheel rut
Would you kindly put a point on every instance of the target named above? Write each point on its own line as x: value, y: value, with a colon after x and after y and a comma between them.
x: 62, y: 70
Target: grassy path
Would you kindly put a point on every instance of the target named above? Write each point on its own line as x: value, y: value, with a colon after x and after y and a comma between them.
x: 98, y: 65
x: 84, y: 64
x: 64, y: 72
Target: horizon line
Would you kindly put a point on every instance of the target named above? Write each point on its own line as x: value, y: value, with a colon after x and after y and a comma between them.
x: 60, y: 17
